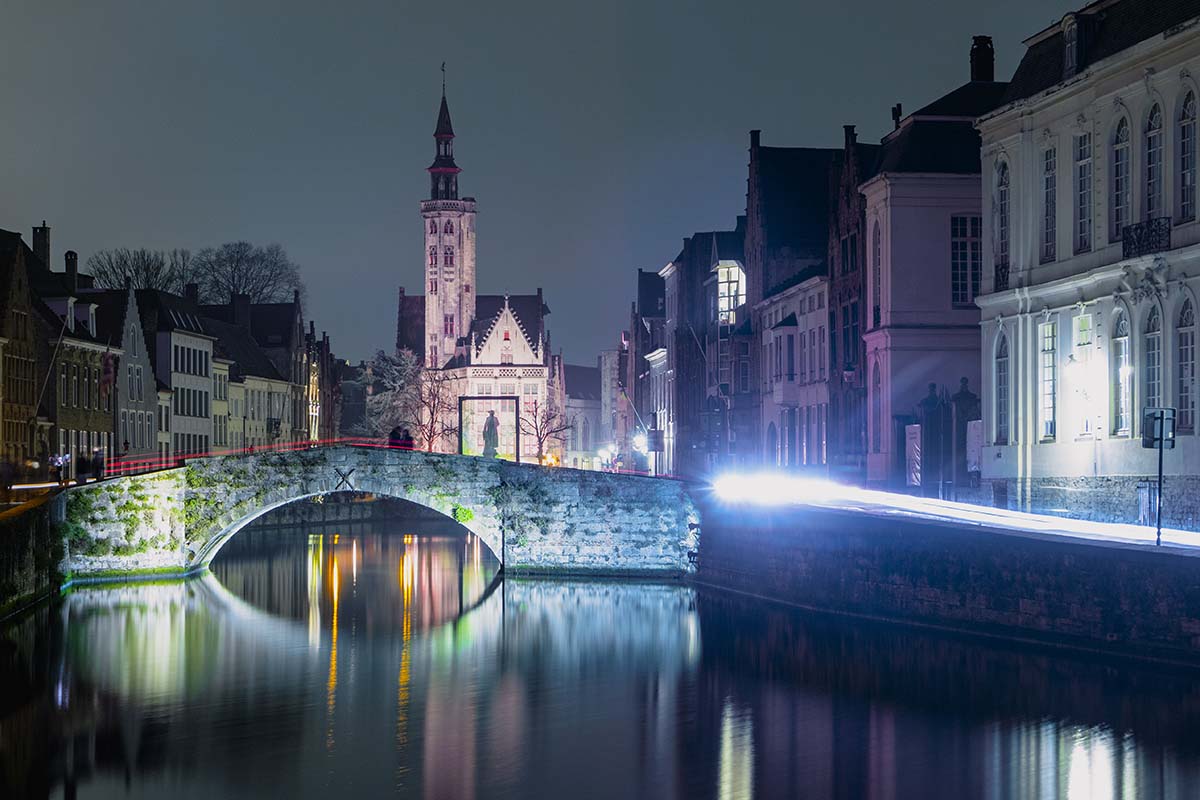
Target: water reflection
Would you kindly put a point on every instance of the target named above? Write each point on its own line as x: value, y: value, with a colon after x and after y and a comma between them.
x: 380, y: 658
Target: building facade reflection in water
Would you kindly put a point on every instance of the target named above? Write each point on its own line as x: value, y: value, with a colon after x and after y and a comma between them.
x: 379, y: 657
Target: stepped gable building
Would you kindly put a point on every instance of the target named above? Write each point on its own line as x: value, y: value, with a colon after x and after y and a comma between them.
x: 924, y: 262
x: 479, y: 346
x: 135, y: 410
x: 1092, y: 274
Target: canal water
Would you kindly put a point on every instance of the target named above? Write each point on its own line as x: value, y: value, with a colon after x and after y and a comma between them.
x: 356, y: 650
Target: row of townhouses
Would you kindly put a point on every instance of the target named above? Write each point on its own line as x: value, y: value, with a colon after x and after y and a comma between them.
x: 98, y: 378
x: 981, y: 305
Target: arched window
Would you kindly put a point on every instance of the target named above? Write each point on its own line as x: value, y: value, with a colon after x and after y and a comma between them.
x: 1119, y: 216
x: 432, y: 226
x: 876, y: 275
x: 433, y: 256
x: 1185, y: 361
x: 1153, y: 359
x: 1002, y: 390
x: 449, y: 227
x: 772, y: 444
x: 1122, y: 372
x: 587, y: 436
x: 876, y: 410
x: 1154, y: 163
x: 1002, y: 226
x: 1187, y: 158
x: 448, y: 257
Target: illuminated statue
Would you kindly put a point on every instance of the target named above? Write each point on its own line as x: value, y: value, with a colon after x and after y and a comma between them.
x: 491, y: 435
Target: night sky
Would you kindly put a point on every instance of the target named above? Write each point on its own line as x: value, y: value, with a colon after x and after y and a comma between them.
x: 594, y: 136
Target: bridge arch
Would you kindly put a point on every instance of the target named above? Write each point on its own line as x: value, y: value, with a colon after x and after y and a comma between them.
x: 209, y: 550
x: 534, y: 519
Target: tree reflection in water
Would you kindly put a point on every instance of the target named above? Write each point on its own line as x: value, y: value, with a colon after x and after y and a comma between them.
x: 379, y: 656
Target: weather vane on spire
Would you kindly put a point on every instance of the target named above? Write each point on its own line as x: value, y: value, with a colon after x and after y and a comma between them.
x: 443, y: 79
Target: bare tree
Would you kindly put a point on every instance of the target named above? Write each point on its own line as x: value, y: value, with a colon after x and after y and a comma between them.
x: 545, y: 424
x: 266, y: 274
x: 391, y: 380
x: 432, y: 411
x: 141, y: 268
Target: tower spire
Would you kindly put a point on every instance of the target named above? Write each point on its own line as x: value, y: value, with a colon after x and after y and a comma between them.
x: 443, y: 172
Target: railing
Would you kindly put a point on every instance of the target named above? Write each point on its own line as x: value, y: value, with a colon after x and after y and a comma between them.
x: 1001, y: 278
x: 1144, y: 238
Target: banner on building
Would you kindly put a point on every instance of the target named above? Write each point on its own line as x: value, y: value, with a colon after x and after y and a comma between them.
x: 974, y: 445
x: 912, y: 455
x: 489, y: 425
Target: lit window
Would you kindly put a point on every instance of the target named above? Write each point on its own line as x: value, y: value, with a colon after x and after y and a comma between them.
x: 1048, y: 368
x: 1121, y: 372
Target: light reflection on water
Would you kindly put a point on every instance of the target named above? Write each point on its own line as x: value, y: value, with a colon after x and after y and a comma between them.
x: 381, y: 658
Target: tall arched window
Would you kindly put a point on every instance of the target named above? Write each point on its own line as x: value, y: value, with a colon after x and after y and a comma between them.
x: 1154, y: 163
x: 587, y: 435
x: 1122, y: 400
x: 1185, y: 361
x: 1002, y: 390
x: 876, y: 410
x: 1153, y: 359
x: 772, y: 444
x: 1002, y: 226
x: 433, y: 256
x: 449, y: 227
x: 876, y: 275
x: 448, y: 257
x: 1119, y: 216
x: 1187, y: 158
x: 432, y: 226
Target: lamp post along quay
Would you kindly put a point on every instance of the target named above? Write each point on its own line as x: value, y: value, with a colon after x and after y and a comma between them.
x: 1158, y: 430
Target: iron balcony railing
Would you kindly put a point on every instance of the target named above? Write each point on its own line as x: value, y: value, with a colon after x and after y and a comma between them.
x: 1001, y: 277
x: 1145, y: 238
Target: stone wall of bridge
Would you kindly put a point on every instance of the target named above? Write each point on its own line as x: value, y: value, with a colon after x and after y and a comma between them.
x: 1097, y: 595
x: 535, y: 519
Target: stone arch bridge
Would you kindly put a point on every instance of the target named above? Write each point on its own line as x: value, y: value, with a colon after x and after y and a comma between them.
x: 535, y: 519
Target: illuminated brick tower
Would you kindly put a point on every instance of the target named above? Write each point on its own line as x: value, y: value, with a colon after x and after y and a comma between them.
x: 449, y: 250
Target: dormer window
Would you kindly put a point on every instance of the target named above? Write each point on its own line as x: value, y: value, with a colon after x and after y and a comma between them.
x: 1070, y: 49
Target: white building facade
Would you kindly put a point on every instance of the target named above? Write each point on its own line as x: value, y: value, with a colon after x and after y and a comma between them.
x: 793, y: 325
x: 1093, y: 268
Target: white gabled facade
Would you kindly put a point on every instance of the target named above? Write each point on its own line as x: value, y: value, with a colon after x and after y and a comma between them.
x: 1091, y: 277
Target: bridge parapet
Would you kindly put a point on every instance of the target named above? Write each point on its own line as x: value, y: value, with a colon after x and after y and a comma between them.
x: 535, y: 519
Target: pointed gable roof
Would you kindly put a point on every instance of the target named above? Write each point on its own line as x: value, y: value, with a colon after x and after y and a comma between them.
x: 529, y: 310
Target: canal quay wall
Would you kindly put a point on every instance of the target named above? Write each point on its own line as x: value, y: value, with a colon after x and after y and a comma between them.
x: 1105, y: 596
x: 537, y: 520
x: 29, y: 556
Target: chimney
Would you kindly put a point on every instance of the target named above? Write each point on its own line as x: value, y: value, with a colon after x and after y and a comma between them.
x: 754, y: 139
x: 983, y: 59
x: 897, y: 113
x: 191, y: 293
x: 850, y: 136
x: 41, y: 243
x: 240, y: 303
x: 72, y: 261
